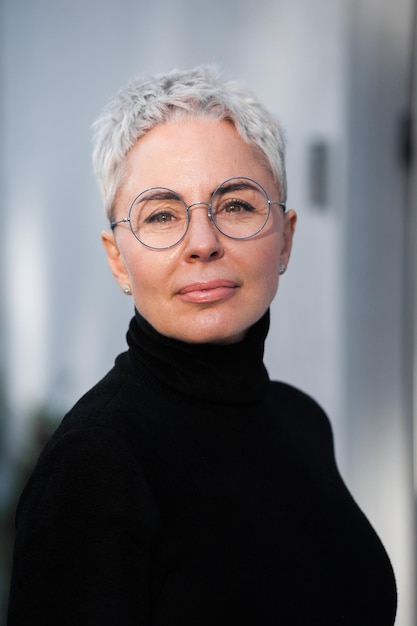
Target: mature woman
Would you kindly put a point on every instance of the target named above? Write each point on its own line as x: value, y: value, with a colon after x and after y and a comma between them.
x: 186, y: 488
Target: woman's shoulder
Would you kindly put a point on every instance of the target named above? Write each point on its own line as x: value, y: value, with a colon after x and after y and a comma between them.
x: 92, y: 452
x: 105, y: 408
x: 294, y: 397
x: 300, y: 414
x: 93, y: 433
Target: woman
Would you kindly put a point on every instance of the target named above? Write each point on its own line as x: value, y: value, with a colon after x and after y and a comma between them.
x: 186, y: 488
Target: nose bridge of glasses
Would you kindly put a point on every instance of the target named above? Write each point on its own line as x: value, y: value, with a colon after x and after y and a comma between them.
x: 201, y: 205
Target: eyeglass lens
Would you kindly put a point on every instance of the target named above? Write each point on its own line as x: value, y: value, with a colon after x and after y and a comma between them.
x: 159, y: 217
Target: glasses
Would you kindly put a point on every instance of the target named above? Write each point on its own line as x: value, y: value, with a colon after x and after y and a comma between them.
x: 159, y: 218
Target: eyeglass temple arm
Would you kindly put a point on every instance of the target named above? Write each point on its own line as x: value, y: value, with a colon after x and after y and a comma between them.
x: 283, y: 205
x: 114, y: 224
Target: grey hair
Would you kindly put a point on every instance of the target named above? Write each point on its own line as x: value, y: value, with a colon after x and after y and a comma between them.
x: 201, y: 92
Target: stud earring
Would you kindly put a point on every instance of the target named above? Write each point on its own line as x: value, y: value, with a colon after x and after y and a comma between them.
x: 282, y: 268
x: 127, y: 289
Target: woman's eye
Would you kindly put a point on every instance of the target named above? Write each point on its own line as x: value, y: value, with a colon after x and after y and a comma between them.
x: 163, y: 217
x: 237, y: 206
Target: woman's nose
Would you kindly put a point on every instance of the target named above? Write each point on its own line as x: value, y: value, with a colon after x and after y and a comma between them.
x: 203, y: 240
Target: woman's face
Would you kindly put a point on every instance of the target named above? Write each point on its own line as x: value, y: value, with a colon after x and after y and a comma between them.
x: 208, y: 288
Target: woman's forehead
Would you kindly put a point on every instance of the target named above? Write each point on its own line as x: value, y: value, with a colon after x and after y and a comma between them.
x: 193, y: 156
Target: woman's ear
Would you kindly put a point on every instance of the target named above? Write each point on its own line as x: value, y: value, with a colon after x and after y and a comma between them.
x: 290, y: 221
x: 114, y: 258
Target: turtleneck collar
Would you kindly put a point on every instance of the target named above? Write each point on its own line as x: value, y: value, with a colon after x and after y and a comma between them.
x: 220, y: 374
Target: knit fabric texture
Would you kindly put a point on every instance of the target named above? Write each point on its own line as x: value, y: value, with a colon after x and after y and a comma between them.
x: 187, y: 489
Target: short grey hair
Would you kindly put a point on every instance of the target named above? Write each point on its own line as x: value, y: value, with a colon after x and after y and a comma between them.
x: 201, y: 92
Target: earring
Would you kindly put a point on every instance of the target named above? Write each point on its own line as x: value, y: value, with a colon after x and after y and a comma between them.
x: 282, y: 268
x: 127, y: 289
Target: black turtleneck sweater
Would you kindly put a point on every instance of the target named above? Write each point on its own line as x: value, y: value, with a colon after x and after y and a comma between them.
x: 186, y: 489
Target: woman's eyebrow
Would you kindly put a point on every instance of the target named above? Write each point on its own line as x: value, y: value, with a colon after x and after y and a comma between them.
x: 239, y: 186
x: 158, y: 194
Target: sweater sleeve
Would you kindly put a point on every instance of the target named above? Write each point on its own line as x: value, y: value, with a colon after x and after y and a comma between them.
x: 85, y: 526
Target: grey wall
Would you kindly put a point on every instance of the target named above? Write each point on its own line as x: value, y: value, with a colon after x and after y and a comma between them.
x: 334, y: 72
x: 378, y: 279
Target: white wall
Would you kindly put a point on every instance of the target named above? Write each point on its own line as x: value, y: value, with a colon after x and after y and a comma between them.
x: 332, y: 70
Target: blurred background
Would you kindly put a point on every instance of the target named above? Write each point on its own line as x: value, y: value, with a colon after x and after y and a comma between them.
x: 341, y: 76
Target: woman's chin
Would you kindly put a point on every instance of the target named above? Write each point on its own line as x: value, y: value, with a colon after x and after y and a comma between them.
x: 204, y: 329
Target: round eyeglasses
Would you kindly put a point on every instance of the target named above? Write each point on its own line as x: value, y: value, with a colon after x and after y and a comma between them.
x: 159, y: 218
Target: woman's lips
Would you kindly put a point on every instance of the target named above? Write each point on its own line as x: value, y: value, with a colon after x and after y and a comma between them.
x: 212, y: 291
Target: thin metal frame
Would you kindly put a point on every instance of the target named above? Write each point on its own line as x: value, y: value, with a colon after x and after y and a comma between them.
x: 127, y: 219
